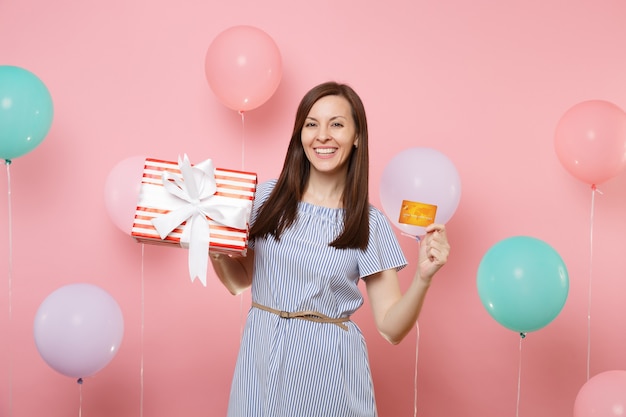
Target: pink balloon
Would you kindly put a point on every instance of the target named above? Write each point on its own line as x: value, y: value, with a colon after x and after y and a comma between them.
x: 422, y: 175
x: 243, y: 67
x: 590, y: 141
x: 78, y: 329
x: 603, y: 395
x: 121, y: 191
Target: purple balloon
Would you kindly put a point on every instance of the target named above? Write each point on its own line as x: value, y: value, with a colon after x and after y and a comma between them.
x: 421, y: 175
x: 78, y: 329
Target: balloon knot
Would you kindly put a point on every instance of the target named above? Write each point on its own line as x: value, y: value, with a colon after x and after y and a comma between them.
x: 79, y: 381
x: 7, y: 161
x: 522, y: 335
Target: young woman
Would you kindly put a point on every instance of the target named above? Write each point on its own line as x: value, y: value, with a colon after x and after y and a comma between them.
x: 313, y: 237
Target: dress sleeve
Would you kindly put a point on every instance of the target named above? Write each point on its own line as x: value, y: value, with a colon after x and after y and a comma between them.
x: 383, y: 250
x: 263, y: 191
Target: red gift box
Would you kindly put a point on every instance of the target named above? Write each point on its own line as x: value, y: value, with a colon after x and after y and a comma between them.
x: 194, y: 199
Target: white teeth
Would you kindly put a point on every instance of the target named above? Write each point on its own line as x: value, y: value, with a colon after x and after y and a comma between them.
x: 325, y: 151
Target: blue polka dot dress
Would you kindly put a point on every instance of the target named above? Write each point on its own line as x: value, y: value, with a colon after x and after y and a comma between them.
x: 300, y: 368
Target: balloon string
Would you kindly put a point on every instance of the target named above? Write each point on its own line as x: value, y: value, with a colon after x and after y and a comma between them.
x: 519, y: 373
x: 10, y: 282
x: 79, y: 381
x: 417, y: 343
x: 243, y: 139
x: 593, y: 193
x: 243, y: 165
x: 142, y: 331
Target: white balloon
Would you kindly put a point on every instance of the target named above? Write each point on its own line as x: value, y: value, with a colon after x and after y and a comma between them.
x: 419, y: 175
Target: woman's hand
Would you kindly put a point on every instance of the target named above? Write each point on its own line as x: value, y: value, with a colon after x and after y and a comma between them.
x: 234, y: 271
x: 434, y: 251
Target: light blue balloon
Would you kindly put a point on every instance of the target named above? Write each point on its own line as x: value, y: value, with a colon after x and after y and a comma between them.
x: 26, y: 111
x: 523, y: 283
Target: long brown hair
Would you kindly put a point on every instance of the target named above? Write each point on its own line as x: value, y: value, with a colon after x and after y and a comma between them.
x: 280, y: 210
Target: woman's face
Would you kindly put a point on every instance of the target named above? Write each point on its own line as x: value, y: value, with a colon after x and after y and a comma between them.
x: 329, y: 134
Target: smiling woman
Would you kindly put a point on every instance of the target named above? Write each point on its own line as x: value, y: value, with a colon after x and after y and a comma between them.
x: 467, y: 78
x: 328, y: 137
x: 314, y: 238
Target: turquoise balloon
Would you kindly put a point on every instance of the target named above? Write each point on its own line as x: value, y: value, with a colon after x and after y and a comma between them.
x: 523, y: 283
x: 26, y: 111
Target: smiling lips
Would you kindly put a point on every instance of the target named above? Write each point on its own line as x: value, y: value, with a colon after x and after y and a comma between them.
x: 325, y: 151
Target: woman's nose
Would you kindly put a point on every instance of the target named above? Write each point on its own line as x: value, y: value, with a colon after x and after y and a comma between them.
x: 323, y: 134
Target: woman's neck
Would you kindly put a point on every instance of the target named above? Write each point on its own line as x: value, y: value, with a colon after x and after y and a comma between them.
x: 325, y: 192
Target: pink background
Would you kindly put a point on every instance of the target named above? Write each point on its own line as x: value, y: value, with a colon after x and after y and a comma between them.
x: 484, y: 82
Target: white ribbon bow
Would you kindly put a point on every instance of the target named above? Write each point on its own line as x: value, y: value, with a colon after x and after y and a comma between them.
x: 196, y: 188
